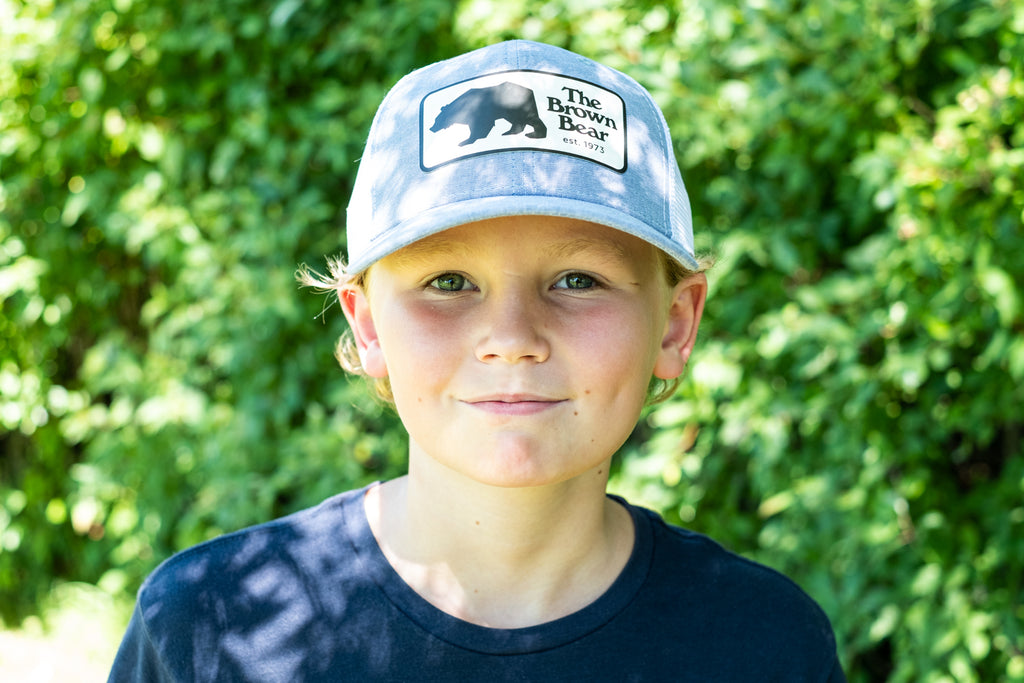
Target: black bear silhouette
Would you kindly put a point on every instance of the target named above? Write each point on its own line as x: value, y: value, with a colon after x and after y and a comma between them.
x: 480, y: 108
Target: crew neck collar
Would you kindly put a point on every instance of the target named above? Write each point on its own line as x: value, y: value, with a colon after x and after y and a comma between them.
x: 499, y: 640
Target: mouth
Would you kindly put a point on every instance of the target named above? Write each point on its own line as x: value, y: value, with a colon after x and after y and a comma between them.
x: 514, y: 404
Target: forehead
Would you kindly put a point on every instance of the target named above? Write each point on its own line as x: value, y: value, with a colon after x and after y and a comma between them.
x: 540, y: 236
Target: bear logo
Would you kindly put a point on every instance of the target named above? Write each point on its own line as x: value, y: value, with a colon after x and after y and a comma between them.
x: 480, y: 109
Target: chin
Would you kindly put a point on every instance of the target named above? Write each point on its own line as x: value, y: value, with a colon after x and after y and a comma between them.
x: 518, y: 473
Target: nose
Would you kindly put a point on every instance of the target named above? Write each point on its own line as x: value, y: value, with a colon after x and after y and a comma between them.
x: 512, y: 329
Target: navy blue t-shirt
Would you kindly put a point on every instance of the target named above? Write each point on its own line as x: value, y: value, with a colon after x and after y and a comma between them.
x: 310, y: 597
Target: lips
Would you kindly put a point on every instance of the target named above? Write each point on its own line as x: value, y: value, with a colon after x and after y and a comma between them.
x: 514, y: 404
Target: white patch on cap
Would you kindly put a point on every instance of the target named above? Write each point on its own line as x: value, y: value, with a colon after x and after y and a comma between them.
x: 523, y: 110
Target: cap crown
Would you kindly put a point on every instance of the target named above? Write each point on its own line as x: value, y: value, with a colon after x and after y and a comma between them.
x: 517, y: 128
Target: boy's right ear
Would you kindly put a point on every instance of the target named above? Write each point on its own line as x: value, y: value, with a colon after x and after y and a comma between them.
x: 357, y: 310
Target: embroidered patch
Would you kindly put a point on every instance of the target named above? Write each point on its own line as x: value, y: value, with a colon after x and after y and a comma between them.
x: 519, y: 110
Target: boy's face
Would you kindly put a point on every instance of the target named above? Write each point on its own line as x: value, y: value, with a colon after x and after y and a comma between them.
x: 519, y: 350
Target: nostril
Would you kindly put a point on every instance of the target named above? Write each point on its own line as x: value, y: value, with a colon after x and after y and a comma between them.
x: 512, y: 347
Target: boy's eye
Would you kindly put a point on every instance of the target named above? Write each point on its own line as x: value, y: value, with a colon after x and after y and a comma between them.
x: 575, y: 281
x: 451, y: 282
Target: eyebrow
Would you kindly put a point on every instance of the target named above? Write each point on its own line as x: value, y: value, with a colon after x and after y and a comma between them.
x: 426, y: 248
x: 436, y: 244
x: 604, y: 249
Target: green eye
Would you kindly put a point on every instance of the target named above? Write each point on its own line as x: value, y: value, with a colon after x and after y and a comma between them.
x: 450, y: 282
x: 575, y: 281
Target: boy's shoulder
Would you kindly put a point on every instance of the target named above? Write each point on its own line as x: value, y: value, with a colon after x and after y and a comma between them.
x: 732, y: 598
x: 247, y: 603
x: 698, y: 555
x: 277, y: 553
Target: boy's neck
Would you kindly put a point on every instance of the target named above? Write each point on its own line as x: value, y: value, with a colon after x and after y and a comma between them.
x: 501, y: 557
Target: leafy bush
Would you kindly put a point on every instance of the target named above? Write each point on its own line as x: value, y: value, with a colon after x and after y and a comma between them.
x: 852, y: 415
x: 165, y: 169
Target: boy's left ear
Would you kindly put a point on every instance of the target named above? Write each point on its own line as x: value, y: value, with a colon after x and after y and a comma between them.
x: 685, y: 309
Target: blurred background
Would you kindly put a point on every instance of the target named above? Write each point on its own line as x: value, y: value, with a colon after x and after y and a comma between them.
x: 853, y: 412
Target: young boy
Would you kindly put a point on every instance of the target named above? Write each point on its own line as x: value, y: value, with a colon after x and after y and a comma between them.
x: 521, y: 266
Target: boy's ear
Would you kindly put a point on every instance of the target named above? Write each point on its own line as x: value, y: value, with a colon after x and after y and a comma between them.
x: 685, y: 309
x: 357, y: 310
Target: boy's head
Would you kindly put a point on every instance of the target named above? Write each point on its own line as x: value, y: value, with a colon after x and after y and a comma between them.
x: 517, y: 129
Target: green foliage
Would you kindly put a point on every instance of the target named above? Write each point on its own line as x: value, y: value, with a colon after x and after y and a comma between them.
x: 165, y: 168
x: 852, y: 414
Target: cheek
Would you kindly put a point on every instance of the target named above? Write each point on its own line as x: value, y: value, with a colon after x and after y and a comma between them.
x: 614, y: 347
x: 419, y: 344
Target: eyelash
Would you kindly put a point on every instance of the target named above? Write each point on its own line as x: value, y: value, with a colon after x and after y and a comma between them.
x: 591, y: 282
x: 448, y: 276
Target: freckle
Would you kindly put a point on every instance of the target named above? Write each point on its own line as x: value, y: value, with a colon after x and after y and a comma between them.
x: 478, y: 522
x: 575, y: 412
x: 586, y: 391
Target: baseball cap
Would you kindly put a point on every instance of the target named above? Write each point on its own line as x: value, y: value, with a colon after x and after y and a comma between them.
x: 517, y: 128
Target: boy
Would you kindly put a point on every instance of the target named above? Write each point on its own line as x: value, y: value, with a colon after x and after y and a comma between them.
x: 520, y: 267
